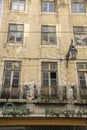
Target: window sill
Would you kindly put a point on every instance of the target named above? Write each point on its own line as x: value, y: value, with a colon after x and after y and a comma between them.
x: 49, y: 46
x: 48, y: 13
x: 14, y: 44
x: 18, y: 11
x: 78, y: 13
x: 83, y: 47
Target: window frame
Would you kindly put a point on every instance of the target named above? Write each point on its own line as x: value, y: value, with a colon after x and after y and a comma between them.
x: 82, y: 31
x: 48, y: 6
x: 15, y: 32
x: 48, y: 35
x: 12, y: 69
x: 52, y: 88
x: 49, y: 71
x: 78, y: 3
x: 18, y: 5
x: 82, y: 68
x: 1, y: 2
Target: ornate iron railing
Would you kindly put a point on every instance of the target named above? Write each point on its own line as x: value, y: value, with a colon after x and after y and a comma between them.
x: 12, y: 93
x: 51, y: 94
x: 61, y: 94
x: 80, y: 94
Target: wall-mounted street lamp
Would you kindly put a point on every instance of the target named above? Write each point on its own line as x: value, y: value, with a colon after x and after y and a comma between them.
x: 71, y: 54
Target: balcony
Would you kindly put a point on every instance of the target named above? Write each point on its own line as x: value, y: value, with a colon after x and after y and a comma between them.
x: 14, y: 94
x: 80, y: 94
x: 51, y: 95
x: 61, y: 94
x: 38, y: 94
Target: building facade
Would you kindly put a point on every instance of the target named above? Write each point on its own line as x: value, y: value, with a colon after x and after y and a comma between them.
x: 35, y: 37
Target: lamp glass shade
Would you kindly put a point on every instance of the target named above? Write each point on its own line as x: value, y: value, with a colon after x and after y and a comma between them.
x: 72, y: 53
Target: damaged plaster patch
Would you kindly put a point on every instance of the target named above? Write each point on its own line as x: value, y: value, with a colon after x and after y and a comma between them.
x: 29, y: 88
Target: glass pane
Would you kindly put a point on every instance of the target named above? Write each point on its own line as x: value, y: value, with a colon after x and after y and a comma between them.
x: 81, y: 75
x: 44, y: 38
x: 52, y: 38
x: 7, y: 82
x: 53, y: 66
x: 82, y: 79
x: 53, y: 82
x: 80, y: 66
x: 44, y: 66
x: 13, y: 27
x: 21, y: 5
x: 74, y: 8
x: 45, y: 83
x: 53, y: 78
x: 15, y: 78
x: 86, y: 66
x: 19, y: 37
x: 52, y: 29
x: 45, y: 75
x: 16, y: 74
x: 44, y: 6
x: 17, y: 65
x: 78, y: 29
x: 44, y: 29
x: 7, y: 73
x: 81, y: 8
x: 51, y: 7
x: 14, y: 4
x: 78, y: 39
x: 84, y: 40
x: 15, y: 83
x: 0, y: 7
x: 53, y: 75
x: 11, y: 37
x: 8, y: 65
x: 20, y: 27
x: 82, y: 83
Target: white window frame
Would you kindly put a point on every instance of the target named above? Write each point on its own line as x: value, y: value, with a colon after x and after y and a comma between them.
x: 77, y: 3
x: 82, y: 68
x: 48, y: 34
x: 1, y: 8
x: 12, y: 70
x: 50, y: 89
x: 48, y: 2
x: 18, y: 5
x: 14, y: 32
x: 1, y: 11
x: 80, y: 32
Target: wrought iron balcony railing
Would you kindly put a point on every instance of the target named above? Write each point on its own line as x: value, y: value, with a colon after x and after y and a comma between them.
x: 50, y: 94
x: 80, y: 94
x: 12, y: 93
x: 62, y: 94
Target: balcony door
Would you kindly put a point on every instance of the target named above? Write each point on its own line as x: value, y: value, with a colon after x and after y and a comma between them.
x: 11, y: 78
x: 49, y: 79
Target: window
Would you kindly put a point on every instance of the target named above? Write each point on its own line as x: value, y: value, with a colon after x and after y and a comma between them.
x: 18, y: 5
x: 82, y: 74
x: 78, y: 6
x: 80, y: 35
x: 0, y: 7
x: 48, y: 35
x: 11, y: 79
x: 49, y: 78
x: 12, y: 73
x: 48, y: 5
x: 15, y: 33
